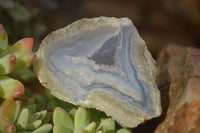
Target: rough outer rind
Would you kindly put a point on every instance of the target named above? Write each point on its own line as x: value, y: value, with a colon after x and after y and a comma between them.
x: 124, y: 114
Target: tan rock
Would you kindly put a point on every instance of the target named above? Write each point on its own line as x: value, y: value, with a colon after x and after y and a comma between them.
x: 183, y: 68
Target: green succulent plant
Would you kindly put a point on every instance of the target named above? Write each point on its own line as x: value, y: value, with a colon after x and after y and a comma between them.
x: 16, y: 116
x: 80, y: 121
x: 28, y: 117
x: 30, y: 121
x: 13, y: 59
x: 49, y: 102
x: 31, y: 117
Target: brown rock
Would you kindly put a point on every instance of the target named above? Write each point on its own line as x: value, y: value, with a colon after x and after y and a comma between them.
x: 181, y: 66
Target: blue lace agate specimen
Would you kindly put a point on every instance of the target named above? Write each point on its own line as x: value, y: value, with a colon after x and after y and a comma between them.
x: 101, y: 63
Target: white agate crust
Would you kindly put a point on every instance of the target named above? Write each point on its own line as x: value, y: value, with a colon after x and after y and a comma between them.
x: 101, y: 63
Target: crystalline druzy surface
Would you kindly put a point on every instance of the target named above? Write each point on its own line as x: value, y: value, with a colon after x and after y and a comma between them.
x: 101, y: 63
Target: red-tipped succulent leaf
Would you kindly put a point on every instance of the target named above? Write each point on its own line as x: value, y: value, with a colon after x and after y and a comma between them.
x: 18, y: 91
x: 10, y: 88
x: 10, y: 109
x: 25, y: 44
x: 32, y: 57
x: 7, y: 63
x: 24, y: 60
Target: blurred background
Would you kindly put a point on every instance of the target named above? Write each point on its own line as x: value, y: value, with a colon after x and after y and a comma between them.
x: 159, y: 22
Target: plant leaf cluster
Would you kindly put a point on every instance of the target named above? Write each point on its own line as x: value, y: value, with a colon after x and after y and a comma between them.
x: 22, y: 117
x: 80, y: 121
x: 13, y: 59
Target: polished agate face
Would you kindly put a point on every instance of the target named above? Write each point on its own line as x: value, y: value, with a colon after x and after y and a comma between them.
x: 101, y: 63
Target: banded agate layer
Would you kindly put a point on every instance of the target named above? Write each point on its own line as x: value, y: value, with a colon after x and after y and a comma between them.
x: 101, y: 63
